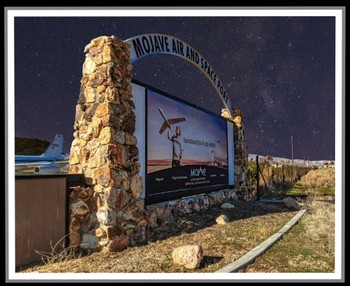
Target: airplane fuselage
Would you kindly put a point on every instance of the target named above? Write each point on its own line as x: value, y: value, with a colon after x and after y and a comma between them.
x: 50, y: 162
x: 30, y: 159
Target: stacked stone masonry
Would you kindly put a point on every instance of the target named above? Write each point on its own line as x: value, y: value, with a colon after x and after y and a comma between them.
x: 104, y: 150
x: 109, y: 213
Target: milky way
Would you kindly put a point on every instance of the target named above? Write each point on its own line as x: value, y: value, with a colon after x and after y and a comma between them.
x: 280, y: 71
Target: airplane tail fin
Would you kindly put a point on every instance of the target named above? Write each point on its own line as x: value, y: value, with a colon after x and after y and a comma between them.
x: 55, y: 148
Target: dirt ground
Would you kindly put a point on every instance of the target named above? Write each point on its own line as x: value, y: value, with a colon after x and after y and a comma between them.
x: 307, y: 247
x: 250, y: 223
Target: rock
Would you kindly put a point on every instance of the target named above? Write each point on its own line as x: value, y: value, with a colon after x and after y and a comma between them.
x: 189, y: 256
x: 99, y: 232
x: 89, y: 241
x: 238, y: 120
x: 106, y: 216
x: 183, y: 207
x: 166, y: 215
x: 136, y: 186
x: 122, y: 199
x: 89, y: 66
x: 103, y: 176
x: 119, y: 243
x: 74, y: 239
x: 79, y: 211
x: 106, y: 135
x: 227, y: 206
x: 152, y: 220
x: 130, y: 139
x: 233, y: 194
x: 82, y: 194
x: 120, y: 137
x: 196, y: 207
x: 222, y: 219
x: 291, y: 203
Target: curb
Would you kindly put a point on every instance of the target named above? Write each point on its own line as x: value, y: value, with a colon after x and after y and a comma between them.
x: 250, y: 257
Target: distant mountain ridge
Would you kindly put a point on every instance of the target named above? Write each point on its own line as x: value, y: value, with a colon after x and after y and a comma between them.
x: 30, y: 146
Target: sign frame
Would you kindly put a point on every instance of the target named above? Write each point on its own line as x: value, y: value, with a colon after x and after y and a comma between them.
x: 141, y: 124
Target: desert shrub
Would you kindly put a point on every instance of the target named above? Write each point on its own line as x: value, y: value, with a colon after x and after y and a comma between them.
x: 59, y: 253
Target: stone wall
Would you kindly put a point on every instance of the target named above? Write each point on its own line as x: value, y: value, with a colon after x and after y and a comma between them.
x: 159, y: 213
x: 108, y: 213
x: 104, y: 150
x: 241, y: 164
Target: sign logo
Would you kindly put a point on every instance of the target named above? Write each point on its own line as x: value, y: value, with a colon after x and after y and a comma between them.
x: 198, y: 172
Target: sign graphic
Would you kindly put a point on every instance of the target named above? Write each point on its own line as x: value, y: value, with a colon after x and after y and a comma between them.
x: 186, y: 147
x: 148, y: 44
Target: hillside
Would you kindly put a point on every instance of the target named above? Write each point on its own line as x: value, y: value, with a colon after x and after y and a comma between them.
x: 319, y: 178
x: 30, y: 146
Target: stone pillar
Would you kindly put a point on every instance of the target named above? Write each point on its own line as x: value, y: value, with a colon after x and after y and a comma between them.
x: 104, y: 150
x: 241, y: 163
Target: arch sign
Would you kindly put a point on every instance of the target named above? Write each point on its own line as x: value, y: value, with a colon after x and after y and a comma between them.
x: 148, y: 44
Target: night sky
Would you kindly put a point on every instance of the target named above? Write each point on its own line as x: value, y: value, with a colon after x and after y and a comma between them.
x: 279, y: 71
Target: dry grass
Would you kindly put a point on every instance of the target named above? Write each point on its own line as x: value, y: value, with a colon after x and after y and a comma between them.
x: 59, y: 253
x: 308, y: 247
x: 319, y: 178
x: 250, y: 224
x: 320, y: 226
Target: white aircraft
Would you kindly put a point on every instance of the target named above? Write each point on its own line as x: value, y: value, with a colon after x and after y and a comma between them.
x: 52, y: 161
x: 168, y: 122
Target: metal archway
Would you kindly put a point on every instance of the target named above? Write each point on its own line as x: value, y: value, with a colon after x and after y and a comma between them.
x: 148, y: 44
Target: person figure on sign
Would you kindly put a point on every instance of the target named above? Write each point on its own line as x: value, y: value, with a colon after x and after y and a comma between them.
x: 177, y: 151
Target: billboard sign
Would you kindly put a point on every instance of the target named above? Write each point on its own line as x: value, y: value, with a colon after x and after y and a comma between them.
x: 187, y: 148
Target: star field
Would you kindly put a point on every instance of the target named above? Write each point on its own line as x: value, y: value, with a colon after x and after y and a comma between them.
x: 280, y: 71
